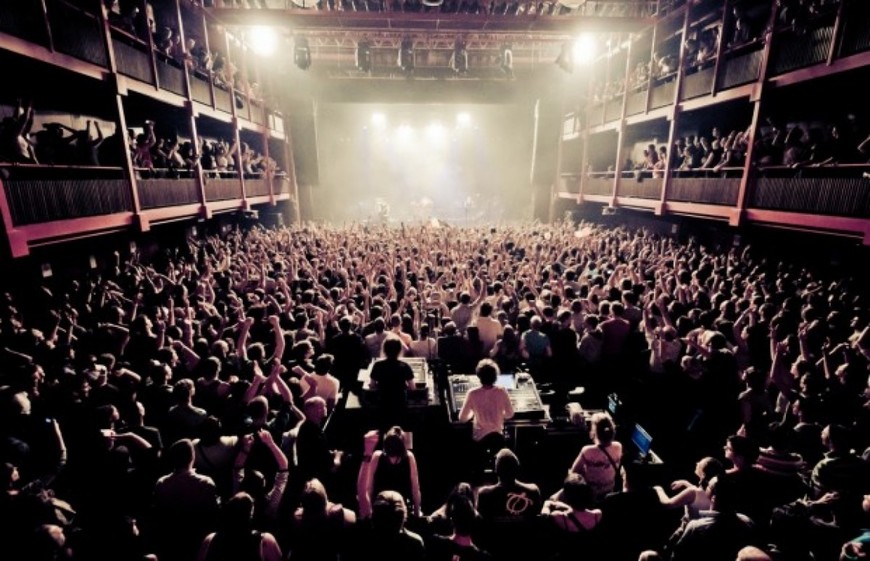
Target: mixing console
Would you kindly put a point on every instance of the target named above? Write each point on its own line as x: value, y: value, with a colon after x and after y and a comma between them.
x: 524, y: 395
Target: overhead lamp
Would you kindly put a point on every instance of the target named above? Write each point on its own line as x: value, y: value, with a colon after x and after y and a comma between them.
x: 263, y: 40
x: 584, y: 49
x: 302, y: 53
x: 406, y: 55
x: 459, y: 59
x: 364, y: 55
x: 506, y: 60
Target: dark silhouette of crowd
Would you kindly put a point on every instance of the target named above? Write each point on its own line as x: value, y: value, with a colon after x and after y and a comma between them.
x: 172, y: 405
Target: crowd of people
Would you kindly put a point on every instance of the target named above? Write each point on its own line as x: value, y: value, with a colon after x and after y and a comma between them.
x: 174, y: 406
x: 794, y: 145
x: 167, y: 155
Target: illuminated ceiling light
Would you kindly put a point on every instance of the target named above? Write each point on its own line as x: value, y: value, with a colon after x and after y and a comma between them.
x: 459, y: 58
x: 506, y: 60
x: 585, y: 48
x: 406, y: 55
x: 263, y: 40
x: 436, y: 132
x: 404, y: 133
x: 302, y: 53
x: 379, y: 119
x: 463, y: 119
x: 364, y: 55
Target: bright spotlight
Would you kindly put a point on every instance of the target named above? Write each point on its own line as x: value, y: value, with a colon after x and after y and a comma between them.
x: 436, y: 132
x: 263, y: 40
x: 404, y: 133
x: 584, y: 48
x: 379, y: 119
x: 463, y: 119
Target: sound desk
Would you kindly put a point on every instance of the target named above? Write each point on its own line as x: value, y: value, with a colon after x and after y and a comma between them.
x: 521, y: 388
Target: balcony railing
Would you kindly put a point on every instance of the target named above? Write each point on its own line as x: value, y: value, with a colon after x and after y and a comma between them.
x: 706, y: 190
x: 663, y: 93
x: 598, y: 183
x: 170, y: 74
x: 256, y: 186
x: 798, y: 48
x: 132, y: 56
x: 223, y: 100
x: 37, y: 194
x: 698, y: 83
x: 76, y: 32
x: 741, y: 67
x: 833, y: 191
x: 640, y: 184
x: 222, y: 186
x: 24, y: 20
x: 155, y: 192
x: 281, y: 184
x: 636, y: 102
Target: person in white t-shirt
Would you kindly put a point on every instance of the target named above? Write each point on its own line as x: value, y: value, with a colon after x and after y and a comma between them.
x: 487, y: 405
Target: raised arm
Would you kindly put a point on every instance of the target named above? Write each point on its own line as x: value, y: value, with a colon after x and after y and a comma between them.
x: 683, y: 498
x: 370, y: 442
x: 242, y: 341
x: 416, y: 497
x: 280, y: 344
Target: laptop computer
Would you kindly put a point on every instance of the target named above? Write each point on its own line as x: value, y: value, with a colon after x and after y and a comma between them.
x: 506, y: 381
x: 642, y: 442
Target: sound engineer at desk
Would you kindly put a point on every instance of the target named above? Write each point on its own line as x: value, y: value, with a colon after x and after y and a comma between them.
x: 391, y: 379
x: 488, y: 406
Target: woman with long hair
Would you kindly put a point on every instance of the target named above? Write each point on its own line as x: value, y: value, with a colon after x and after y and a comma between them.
x: 600, y: 463
x: 394, y: 468
x: 236, y: 538
x: 572, y: 518
x: 506, y: 352
x: 319, y: 526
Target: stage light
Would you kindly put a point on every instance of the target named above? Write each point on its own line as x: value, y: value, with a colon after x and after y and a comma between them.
x: 436, y: 132
x: 459, y: 58
x: 506, y: 60
x: 263, y: 40
x: 463, y: 119
x: 584, y: 49
x: 404, y: 134
x: 302, y: 53
x: 406, y: 55
x: 364, y: 55
x: 379, y: 120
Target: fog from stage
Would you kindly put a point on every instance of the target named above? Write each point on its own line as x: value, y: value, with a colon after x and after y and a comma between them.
x: 395, y: 163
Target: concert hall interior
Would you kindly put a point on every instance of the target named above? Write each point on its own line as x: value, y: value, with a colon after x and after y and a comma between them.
x: 442, y: 280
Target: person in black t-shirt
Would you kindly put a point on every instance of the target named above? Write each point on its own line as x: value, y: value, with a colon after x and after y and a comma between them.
x: 391, y: 379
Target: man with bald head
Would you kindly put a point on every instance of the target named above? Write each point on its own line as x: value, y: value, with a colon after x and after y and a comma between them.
x: 313, y: 455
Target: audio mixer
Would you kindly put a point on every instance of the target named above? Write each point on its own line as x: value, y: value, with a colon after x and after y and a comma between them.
x: 521, y: 388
